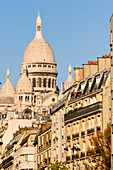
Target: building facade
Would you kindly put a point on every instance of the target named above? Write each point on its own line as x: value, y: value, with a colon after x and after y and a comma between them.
x: 28, y: 138
x: 83, y: 111
x: 36, y: 91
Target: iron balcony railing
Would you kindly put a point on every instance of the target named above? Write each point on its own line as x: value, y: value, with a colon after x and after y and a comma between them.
x: 82, y: 111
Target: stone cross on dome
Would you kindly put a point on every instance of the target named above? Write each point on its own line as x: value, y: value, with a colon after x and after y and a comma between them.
x: 70, y: 71
x: 8, y: 74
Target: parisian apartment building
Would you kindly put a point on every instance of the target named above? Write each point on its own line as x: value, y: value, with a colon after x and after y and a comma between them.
x: 40, y: 124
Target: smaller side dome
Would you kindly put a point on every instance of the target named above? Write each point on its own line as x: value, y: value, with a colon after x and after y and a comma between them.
x: 24, y: 84
x: 7, y: 92
x: 7, y: 88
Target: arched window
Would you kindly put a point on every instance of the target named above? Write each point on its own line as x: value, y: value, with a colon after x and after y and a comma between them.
x: 34, y: 99
x: 39, y: 82
x: 27, y: 113
x: 49, y: 83
x: 44, y: 82
x: 27, y: 98
x: 34, y: 82
x: 20, y: 98
x: 53, y: 83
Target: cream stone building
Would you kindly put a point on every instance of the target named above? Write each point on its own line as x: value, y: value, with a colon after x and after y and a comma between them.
x: 36, y: 91
x: 83, y: 110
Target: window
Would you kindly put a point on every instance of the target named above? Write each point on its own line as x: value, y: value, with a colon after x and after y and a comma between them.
x: 27, y: 98
x: 38, y: 28
x: 34, y: 82
x: 53, y: 99
x: 34, y: 99
x: 39, y: 82
x: 49, y: 83
x: 44, y: 82
x: 44, y: 65
x: 53, y: 83
x: 30, y: 158
x: 20, y: 98
x: 25, y: 157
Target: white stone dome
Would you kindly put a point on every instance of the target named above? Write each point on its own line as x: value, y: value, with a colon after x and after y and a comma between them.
x: 38, y: 51
x: 7, y: 91
x: 24, y: 84
x: 7, y: 88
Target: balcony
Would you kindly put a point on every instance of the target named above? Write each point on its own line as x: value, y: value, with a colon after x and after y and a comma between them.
x: 90, y: 131
x: 88, y: 110
x: 27, y: 165
x: 7, y: 162
x: 26, y: 150
x: 82, y: 133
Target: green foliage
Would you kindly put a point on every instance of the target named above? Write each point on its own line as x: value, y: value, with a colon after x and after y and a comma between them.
x: 58, y: 166
x: 99, y: 154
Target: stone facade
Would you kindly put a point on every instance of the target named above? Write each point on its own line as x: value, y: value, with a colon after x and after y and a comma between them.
x: 36, y: 91
x: 83, y: 111
x: 29, y: 139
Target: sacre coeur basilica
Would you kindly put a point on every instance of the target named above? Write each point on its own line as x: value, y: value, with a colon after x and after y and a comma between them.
x: 39, y: 124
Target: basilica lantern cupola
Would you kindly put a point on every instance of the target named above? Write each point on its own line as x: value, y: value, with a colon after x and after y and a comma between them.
x: 38, y: 27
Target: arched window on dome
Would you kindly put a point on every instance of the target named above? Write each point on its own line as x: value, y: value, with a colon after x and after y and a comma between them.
x: 34, y: 82
x: 27, y: 98
x: 39, y: 82
x: 53, y: 83
x: 20, y: 98
x: 49, y: 83
x: 44, y: 82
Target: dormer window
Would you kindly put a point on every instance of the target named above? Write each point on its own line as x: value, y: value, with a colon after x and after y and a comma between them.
x: 38, y: 28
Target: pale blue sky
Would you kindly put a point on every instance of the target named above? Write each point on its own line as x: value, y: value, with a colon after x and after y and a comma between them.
x: 77, y: 30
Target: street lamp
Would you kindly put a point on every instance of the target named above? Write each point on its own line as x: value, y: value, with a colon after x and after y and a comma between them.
x: 74, y: 148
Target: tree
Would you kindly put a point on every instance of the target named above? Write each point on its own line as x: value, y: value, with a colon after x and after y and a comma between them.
x: 99, y: 154
x: 58, y: 166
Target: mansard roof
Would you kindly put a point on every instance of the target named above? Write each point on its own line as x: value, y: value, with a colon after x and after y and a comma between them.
x: 89, y: 85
